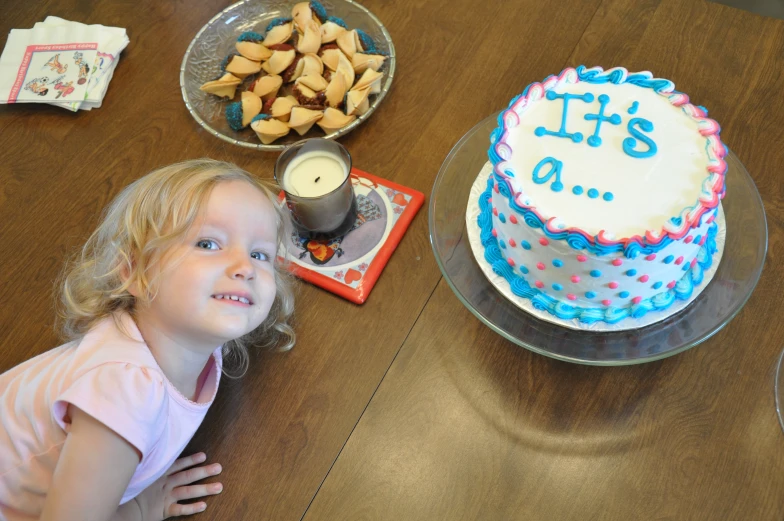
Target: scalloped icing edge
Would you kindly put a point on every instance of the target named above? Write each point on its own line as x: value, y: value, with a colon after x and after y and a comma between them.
x: 651, y: 241
x: 612, y: 314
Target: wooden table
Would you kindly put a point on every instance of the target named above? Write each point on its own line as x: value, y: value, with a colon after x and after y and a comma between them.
x: 408, y: 407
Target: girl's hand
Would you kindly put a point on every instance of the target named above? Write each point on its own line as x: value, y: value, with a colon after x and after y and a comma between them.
x: 160, y: 500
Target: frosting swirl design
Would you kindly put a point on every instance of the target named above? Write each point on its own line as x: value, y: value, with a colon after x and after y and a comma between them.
x: 682, y: 290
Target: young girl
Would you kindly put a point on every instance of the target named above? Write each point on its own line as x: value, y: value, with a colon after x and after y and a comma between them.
x: 180, y: 272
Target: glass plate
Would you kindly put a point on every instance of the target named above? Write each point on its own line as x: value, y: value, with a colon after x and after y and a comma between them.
x: 216, y: 40
x: 735, y: 279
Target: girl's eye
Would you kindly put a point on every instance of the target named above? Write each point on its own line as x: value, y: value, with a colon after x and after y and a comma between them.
x: 207, y: 244
x: 259, y: 255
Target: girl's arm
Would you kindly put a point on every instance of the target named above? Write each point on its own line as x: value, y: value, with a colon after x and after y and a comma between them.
x: 93, y: 471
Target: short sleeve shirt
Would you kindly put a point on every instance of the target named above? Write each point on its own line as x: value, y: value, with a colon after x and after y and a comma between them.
x: 111, y: 375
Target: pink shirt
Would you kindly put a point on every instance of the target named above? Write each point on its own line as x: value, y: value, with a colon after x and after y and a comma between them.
x: 114, y: 379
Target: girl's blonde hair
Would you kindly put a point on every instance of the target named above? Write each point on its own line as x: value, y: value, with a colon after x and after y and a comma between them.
x: 144, y: 220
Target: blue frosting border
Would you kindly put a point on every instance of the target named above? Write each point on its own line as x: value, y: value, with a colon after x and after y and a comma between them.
x: 578, y: 240
x: 682, y: 291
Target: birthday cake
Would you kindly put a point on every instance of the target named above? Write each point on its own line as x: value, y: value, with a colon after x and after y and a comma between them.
x: 603, y: 196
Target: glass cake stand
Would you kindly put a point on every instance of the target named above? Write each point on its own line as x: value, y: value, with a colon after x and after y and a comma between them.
x: 725, y: 295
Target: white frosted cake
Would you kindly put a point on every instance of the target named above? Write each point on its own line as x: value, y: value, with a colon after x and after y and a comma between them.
x: 603, y: 195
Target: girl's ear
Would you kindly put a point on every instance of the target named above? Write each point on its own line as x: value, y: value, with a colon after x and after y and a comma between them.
x: 125, y: 275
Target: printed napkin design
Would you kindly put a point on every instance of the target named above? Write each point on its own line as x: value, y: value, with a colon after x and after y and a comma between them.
x: 53, y: 72
x: 63, y: 63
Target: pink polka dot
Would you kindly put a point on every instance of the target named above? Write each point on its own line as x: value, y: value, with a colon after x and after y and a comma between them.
x: 540, y: 265
x: 490, y: 200
x: 671, y: 284
x: 512, y: 243
x: 606, y: 302
x: 710, y: 219
x: 510, y: 261
x: 617, y: 262
x: 678, y: 261
x: 693, y: 262
x: 575, y: 278
x: 644, y: 278
x: 495, y: 187
x: 495, y: 211
x: 539, y: 284
x: 513, y: 219
x: 702, y: 241
x: 571, y: 297
x: 637, y: 300
x: 543, y: 241
x: 688, y: 239
x: 582, y: 258
x: 495, y: 233
x: 613, y: 285
x: 651, y: 256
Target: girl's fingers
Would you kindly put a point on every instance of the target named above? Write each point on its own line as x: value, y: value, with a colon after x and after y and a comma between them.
x: 194, y: 491
x: 194, y: 474
x: 187, y: 461
x: 177, y: 509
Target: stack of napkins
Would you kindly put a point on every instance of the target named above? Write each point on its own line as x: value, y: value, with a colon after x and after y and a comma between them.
x: 61, y: 63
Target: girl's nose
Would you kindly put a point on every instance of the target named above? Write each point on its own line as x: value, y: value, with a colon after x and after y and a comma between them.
x: 240, y: 266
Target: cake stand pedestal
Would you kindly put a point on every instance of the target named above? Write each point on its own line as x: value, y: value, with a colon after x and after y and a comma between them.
x: 732, y: 285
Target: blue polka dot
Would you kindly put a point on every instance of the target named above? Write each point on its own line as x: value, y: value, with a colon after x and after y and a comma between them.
x: 577, y: 190
x: 657, y: 285
x: 557, y: 287
x: 502, y: 218
x: 686, y: 267
x: 596, y: 273
x: 590, y: 294
x: 526, y: 245
x: 593, y: 193
x: 524, y: 270
x: 668, y: 259
x: 608, y: 196
x: 631, y: 273
x: 697, y: 239
x: 557, y: 263
x: 502, y: 244
x: 556, y: 186
x: 623, y: 294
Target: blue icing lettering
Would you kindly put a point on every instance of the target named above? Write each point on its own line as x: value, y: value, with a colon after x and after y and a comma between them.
x: 633, y: 108
x: 630, y: 142
x: 555, y: 170
x: 593, y: 193
x: 613, y: 119
x: 608, y: 196
x: 551, y: 95
x: 577, y: 190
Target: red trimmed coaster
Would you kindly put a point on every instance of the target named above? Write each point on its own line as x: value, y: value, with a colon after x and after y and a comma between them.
x: 349, y: 266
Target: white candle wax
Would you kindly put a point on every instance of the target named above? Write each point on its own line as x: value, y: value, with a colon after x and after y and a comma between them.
x: 314, y: 174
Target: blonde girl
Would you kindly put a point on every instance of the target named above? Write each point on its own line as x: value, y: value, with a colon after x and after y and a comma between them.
x: 180, y: 273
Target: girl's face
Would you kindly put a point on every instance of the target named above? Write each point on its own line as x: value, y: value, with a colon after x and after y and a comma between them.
x: 219, y: 284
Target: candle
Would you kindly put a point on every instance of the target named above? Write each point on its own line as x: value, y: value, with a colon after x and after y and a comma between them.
x: 314, y: 174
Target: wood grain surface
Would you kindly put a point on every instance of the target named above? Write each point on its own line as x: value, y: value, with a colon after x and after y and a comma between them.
x: 408, y: 407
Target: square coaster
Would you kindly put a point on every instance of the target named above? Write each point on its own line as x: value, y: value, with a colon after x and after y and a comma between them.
x: 349, y: 266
